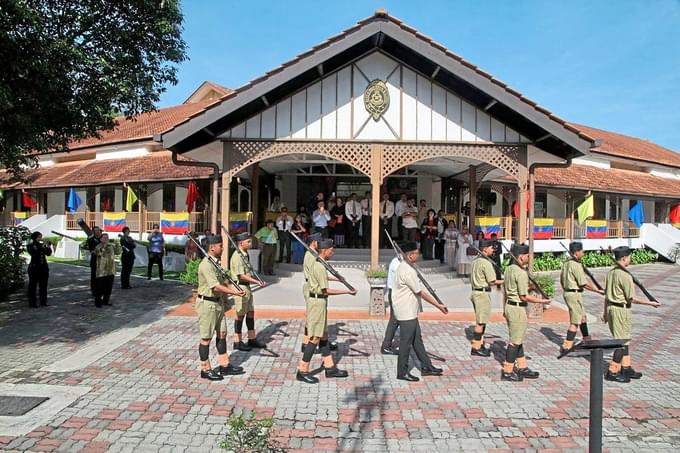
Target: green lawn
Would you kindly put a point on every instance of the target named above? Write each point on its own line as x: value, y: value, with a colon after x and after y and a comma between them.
x: 140, y: 271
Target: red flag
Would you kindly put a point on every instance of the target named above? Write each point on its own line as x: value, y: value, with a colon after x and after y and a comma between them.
x: 27, y: 201
x: 674, y: 215
x: 515, y: 207
x: 192, y: 196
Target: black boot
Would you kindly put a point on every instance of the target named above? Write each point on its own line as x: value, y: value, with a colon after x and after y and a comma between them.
x: 512, y: 377
x: 241, y: 346
x: 335, y: 372
x: 408, y: 377
x: 211, y: 375
x: 482, y: 352
x: 229, y: 370
x: 431, y: 371
x: 527, y: 373
x: 631, y: 373
x: 616, y: 377
x: 306, y: 378
x: 255, y: 343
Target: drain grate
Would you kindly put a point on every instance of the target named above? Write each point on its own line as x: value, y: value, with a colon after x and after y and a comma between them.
x: 15, y: 406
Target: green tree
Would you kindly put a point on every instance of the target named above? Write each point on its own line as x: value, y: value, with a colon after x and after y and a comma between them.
x: 69, y: 66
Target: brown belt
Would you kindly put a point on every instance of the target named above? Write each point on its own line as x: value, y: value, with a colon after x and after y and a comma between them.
x: 209, y: 298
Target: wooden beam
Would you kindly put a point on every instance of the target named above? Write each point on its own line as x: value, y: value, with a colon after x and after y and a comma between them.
x: 473, y: 199
x: 376, y: 181
x: 490, y: 104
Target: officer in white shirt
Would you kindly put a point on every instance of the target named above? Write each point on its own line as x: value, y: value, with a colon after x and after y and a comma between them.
x: 353, y: 214
x: 320, y: 218
x: 399, y: 208
x: 386, y: 215
x: 392, y: 324
x: 284, y: 223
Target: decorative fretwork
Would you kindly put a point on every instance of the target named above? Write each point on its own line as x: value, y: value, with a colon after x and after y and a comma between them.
x: 398, y: 155
x: 247, y: 153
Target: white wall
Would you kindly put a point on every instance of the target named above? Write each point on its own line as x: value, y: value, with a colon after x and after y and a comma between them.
x: 118, y: 198
x: 56, y: 200
x: 180, y: 198
x: 122, y: 152
x: 436, y: 195
x: 556, y: 205
x: 154, y: 199
x: 287, y: 186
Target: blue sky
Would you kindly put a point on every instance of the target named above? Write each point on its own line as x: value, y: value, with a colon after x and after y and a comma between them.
x: 608, y: 64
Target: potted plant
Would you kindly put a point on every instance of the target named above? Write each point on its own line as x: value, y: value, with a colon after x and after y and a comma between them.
x: 376, y: 277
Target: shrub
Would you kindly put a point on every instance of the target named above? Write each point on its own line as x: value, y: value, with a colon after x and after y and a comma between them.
x: 643, y: 256
x: 547, y: 284
x: 249, y: 435
x: 12, y: 245
x: 379, y: 273
x: 548, y: 262
x: 190, y: 274
x: 597, y: 259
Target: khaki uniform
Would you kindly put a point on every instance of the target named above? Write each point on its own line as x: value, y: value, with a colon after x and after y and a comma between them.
x: 244, y: 304
x: 483, y: 275
x: 573, y: 279
x: 317, y: 307
x: 307, y: 263
x: 516, y: 284
x: 210, y: 313
x: 619, y: 291
x: 106, y: 264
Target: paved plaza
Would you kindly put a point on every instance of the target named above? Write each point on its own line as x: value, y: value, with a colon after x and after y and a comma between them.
x: 134, y: 371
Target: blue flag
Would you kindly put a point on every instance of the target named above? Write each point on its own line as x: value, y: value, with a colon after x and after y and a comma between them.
x: 637, y: 214
x: 73, y: 200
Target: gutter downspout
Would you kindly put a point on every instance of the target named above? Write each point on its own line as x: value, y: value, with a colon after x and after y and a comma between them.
x: 532, y: 193
x: 215, y: 184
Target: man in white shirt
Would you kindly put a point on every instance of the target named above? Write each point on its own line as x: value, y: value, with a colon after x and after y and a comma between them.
x: 284, y: 223
x: 392, y: 324
x: 320, y: 218
x: 366, y: 206
x: 399, y: 208
x: 409, y: 221
x: 353, y: 214
x: 406, y: 305
x: 386, y: 214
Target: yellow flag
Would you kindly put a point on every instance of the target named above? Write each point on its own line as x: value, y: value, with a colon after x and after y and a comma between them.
x: 131, y: 198
x: 586, y: 209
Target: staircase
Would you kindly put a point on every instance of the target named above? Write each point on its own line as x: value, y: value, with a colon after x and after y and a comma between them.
x: 659, y: 239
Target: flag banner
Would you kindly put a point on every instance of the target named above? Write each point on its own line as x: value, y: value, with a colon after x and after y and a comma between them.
x: 27, y: 201
x: 543, y: 228
x: 674, y: 216
x: 637, y: 214
x: 488, y: 226
x: 586, y: 209
x: 192, y: 196
x: 596, y: 229
x: 174, y: 222
x: 239, y: 222
x: 19, y: 217
x: 74, y: 200
x: 114, y: 221
x: 130, y: 199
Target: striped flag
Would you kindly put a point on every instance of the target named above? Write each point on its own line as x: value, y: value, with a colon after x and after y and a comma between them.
x: 174, y: 222
x: 543, y: 228
x: 114, y: 221
x: 596, y: 229
x: 19, y: 217
x: 488, y: 226
x: 239, y: 222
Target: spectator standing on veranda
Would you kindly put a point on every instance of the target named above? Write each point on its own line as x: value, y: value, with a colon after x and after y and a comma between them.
x: 284, y: 223
x: 269, y: 237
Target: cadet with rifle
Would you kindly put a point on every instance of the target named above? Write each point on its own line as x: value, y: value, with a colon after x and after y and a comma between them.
x: 619, y: 297
x: 482, y: 277
x: 516, y: 299
x: 94, y: 238
x: 242, y: 270
x: 214, y: 284
x: 573, y: 280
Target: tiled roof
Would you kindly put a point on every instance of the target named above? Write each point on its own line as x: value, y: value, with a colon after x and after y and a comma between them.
x: 608, y: 180
x: 157, y: 166
x: 620, y: 145
x: 145, y: 125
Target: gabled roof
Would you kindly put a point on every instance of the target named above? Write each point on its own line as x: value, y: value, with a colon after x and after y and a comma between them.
x: 207, y: 91
x: 143, y: 126
x: 394, y: 37
x: 619, y: 145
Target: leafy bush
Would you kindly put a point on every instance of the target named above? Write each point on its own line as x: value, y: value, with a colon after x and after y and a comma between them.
x: 12, y: 245
x: 379, y: 273
x: 549, y: 262
x: 643, y: 256
x: 190, y: 274
x: 597, y: 259
x: 547, y: 284
x: 249, y: 435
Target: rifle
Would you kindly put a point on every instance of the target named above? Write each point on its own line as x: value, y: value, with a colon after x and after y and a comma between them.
x: 637, y: 282
x: 493, y: 263
x: 400, y: 257
x: 223, y: 273
x: 585, y: 269
x: 244, y: 259
x: 85, y: 227
x: 328, y: 267
x: 64, y: 235
x: 531, y: 279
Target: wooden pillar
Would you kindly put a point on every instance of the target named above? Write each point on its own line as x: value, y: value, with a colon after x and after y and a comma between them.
x: 225, y: 198
x: 521, y: 206
x: 214, y: 197
x: 376, y: 181
x: 473, y: 200
x: 255, y: 199
x: 531, y: 220
x: 140, y: 208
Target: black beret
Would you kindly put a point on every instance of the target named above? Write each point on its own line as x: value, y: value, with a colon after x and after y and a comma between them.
x: 326, y: 244
x: 620, y: 252
x: 314, y: 237
x: 484, y: 243
x: 409, y: 246
x: 575, y: 247
x: 520, y: 249
x: 213, y: 239
x: 242, y: 237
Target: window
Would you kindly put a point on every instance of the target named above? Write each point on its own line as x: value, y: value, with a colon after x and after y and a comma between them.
x: 169, y: 197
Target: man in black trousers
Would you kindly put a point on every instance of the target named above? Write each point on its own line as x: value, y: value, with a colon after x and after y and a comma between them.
x: 38, y: 270
x: 92, y: 242
x: 127, y: 258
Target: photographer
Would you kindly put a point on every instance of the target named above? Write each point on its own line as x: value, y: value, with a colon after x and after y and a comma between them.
x: 127, y: 258
x: 38, y: 271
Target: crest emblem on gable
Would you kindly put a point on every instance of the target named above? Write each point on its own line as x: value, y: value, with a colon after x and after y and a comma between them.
x: 376, y: 98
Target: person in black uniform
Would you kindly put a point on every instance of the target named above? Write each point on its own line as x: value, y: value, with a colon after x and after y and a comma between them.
x: 92, y: 243
x: 127, y: 258
x: 38, y: 271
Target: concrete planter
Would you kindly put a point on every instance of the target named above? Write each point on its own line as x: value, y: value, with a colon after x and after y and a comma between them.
x: 376, y: 305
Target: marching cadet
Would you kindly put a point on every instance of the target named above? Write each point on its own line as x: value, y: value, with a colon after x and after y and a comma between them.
x: 307, y: 262
x: 92, y: 243
x: 210, y: 307
x: 244, y: 307
x: 317, y: 318
x: 516, y: 298
x: 482, y: 277
x: 106, y: 271
x: 38, y: 270
x: 392, y: 324
x: 406, y: 305
x: 619, y: 296
x: 573, y: 280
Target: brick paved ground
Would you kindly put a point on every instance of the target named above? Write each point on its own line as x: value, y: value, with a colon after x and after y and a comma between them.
x: 146, y: 396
